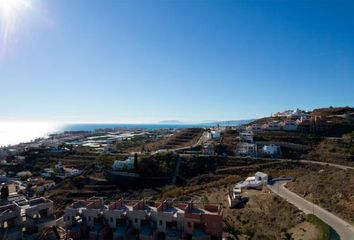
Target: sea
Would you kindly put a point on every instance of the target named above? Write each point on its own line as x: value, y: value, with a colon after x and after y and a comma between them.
x: 12, y: 133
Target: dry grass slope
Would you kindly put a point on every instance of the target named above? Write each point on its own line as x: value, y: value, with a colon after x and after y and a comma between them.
x: 330, y: 188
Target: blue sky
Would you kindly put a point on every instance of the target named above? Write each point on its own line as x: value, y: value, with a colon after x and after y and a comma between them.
x: 146, y: 61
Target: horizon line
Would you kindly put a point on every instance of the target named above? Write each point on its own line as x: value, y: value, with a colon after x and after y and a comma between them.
x: 162, y: 122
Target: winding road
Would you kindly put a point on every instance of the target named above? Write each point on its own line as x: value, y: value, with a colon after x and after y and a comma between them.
x: 326, y: 164
x: 343, y: 228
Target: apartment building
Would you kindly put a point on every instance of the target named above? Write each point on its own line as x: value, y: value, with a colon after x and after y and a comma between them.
x: 124, y: 219
x: 202, y: 223
x: 21, y: 218
x: 39, y: 214
x: 117, y: 217
x: 170, y: 221
x: 11, y: 222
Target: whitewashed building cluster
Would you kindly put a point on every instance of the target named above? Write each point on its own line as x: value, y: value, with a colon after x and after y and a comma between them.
x: 295, y: 120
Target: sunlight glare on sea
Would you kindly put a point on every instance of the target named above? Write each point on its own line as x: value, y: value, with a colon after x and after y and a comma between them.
x: 17, y: 132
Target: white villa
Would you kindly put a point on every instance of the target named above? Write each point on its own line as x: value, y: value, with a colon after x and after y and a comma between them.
x: 256, y: 182
x: 297, y: 114
x: 271, y: 149
x: 118, y: 165
x: 215, y: 134
x: 294, y: 114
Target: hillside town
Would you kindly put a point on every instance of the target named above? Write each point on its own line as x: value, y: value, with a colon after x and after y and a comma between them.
x: 177, y: 120
x: 151, y: 184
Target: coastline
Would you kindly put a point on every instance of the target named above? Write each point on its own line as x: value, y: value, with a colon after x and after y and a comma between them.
x: 17, y: 133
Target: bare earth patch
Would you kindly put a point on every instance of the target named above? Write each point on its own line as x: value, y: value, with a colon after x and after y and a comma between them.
x: 304, y: 231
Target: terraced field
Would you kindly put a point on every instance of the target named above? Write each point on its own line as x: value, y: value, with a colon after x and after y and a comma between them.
x: 184, y: 138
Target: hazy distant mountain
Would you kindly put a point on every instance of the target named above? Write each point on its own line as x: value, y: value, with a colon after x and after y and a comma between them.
x: 211, y: 122
x: 230, y: 122
x: 170, y: 121
x: 208, y: 121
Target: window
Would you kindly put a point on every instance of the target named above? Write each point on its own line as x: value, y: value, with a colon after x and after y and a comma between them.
x: 136, y: 220
x: 160, y: 222
x: 89, y: 219
x: 111, y: 219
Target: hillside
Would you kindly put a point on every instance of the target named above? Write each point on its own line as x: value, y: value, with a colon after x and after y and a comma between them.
x: 340, y: 115
x: 332, y: 111
x: 183, y: 138
x: 330, y: 188
x: 334, y: 150
x: 267, y: 119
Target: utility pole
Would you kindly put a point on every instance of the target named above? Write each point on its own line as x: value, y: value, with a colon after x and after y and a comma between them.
x: 278, y: 187
x: 313, y: 207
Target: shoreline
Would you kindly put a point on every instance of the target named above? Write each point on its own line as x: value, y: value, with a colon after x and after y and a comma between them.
x: 79, y: 127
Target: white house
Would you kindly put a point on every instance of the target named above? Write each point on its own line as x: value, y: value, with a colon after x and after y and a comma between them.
x: 261, y: 176
x: 297, y: 114
x: 283, y: 114
x: 118, y: 165
x: 256, y: 182
x: 271, y: 149
x: 215, y: 134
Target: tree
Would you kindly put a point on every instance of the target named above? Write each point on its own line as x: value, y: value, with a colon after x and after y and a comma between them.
x: 4, y: 192
x: 136, y: 161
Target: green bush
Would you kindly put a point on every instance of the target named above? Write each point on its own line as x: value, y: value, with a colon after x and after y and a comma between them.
x: 322, y: 226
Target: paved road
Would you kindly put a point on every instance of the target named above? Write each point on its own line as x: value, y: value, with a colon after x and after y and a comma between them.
x: 343, y: 228
x: 308, y: 161
x: 325, y: 163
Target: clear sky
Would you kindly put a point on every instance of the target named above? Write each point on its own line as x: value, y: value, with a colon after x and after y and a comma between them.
x: 145, y: 61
